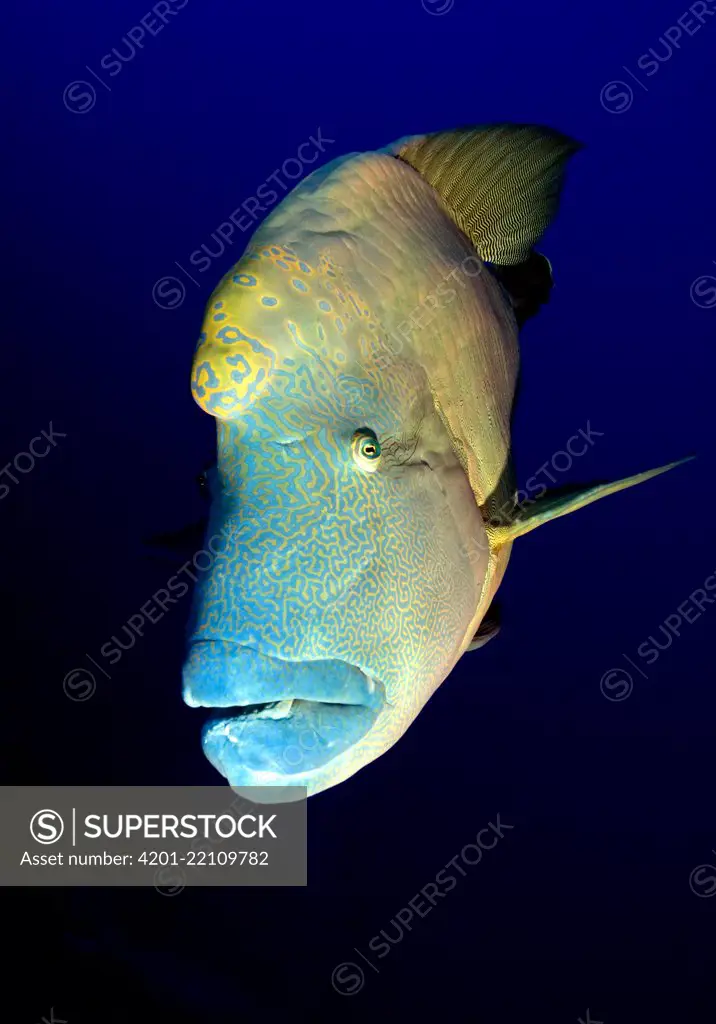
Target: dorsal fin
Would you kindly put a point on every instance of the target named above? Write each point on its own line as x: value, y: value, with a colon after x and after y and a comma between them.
x: 549, y: 507
x: 500, y: 183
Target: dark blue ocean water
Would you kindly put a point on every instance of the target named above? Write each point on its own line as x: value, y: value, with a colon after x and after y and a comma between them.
x: 118, y: 167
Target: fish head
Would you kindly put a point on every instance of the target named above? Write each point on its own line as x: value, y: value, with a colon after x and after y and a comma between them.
x: 348, y: 551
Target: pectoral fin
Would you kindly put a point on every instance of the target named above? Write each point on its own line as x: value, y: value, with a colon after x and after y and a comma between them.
x: 489, y: 628
x: 552, y: 506
x: 527, y: 284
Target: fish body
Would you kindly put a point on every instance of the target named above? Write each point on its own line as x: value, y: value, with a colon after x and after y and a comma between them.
x: 361, y: 361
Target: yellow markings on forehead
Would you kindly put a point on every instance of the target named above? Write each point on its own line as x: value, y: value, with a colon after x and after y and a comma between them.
x: 347, y: 305
x: 230, y: 363
x: 271, y: 304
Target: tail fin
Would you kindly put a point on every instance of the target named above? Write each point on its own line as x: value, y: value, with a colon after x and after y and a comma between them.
x: 500, y: 183
x: 552, y: 507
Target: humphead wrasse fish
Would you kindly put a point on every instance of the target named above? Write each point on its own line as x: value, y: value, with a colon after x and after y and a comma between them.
x: 361, y: 361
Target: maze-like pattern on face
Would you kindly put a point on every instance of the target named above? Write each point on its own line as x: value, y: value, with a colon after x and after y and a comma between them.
x: 324, y: 562
x: 361, y: 368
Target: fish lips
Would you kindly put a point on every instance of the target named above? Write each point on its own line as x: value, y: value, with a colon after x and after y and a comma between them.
x: 277, y: 722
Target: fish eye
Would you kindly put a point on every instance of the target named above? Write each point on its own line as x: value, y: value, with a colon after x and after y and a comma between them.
x: 366, y: 450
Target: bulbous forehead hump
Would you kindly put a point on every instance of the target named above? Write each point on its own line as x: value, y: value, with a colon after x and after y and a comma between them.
x: 272, y: 314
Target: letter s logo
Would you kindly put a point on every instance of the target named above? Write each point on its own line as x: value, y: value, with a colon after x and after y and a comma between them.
x: 46, y: 826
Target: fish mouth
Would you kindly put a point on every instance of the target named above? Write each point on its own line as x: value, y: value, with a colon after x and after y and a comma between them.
x: 274, y: 722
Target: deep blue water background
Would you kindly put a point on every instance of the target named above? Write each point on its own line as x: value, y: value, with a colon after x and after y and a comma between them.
x: 586, y: 903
